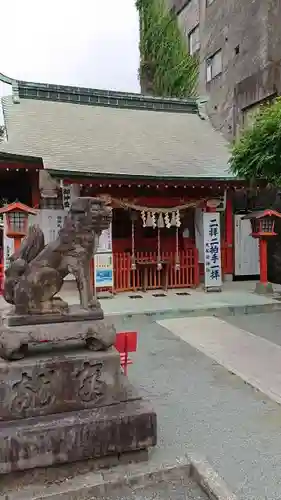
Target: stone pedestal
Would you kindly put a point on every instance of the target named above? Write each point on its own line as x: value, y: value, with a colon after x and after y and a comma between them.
x: 69, y: 406
x: 16, y: 336
x: 264, y: 288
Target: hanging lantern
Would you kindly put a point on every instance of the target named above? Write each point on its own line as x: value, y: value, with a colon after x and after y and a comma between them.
x: 160, y: 222
x: 263, y: 223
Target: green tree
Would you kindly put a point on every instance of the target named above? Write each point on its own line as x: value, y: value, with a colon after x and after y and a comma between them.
x: 257, y: 153
x: 166, y: 68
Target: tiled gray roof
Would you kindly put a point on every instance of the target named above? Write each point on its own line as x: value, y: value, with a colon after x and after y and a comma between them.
x: 97, y: 140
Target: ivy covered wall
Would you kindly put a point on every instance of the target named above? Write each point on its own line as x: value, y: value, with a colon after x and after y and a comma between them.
x: 166, y: 68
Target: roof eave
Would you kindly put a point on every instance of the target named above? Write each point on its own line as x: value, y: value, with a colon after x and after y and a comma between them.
x: 19, y: 157
x: 69, y: 173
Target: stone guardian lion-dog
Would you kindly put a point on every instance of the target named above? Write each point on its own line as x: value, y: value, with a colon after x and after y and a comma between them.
x: 36, y: 272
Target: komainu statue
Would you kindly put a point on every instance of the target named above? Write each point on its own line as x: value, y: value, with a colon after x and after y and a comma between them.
x: 36, y: 272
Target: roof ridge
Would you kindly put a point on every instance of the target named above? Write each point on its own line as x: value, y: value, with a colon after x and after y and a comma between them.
x: 98, y: 97
x: 101, y: 92
x: 101, y: 97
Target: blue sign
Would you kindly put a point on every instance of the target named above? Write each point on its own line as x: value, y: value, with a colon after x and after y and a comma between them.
x: 104, y: 277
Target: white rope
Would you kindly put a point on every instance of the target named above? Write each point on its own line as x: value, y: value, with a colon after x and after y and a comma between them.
x: 177, y: 263
x: 159, y: 263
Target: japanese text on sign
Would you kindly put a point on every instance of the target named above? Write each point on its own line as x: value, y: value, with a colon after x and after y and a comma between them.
x: 212, y: 250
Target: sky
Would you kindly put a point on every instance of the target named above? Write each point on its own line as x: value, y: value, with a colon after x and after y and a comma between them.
x: 90, y: 43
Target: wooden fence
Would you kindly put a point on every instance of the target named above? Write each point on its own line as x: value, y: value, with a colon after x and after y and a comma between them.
x: 126, y: 279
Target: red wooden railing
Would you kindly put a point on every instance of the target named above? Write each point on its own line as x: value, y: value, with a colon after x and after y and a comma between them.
x: 126, y: 279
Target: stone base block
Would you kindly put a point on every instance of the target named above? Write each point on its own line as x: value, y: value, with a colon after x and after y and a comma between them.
x: 72, y: 314
x: 60, y: 382
x: 70, y: 437
x: 14, y: 341
x: 264, y: 288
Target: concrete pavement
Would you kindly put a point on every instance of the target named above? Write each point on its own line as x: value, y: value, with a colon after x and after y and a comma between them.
x: 235, y: 298
x: 256, y: 360
x: 203, y: 408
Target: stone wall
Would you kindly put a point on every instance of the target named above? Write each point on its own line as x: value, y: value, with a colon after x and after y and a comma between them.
x: 231, y: 29
x: 257, y: 88
x: 189, y: 17
x: 250, y: 38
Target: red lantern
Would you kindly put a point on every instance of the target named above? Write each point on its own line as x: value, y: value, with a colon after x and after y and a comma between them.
x: 17, y: 220
x: 263, y: 224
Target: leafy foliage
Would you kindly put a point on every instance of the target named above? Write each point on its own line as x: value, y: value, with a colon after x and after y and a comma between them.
x: 257, y: 153
x: 166, y: 66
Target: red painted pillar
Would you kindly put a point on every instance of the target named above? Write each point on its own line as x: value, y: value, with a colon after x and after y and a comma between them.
x: 263, y: 261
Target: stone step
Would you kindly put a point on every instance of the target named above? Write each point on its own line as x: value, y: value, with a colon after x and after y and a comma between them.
x: 187, y: 490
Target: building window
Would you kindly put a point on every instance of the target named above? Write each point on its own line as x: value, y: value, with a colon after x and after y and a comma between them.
x: 194, y: 40
x: 214, y: 66
x: 250, y: 113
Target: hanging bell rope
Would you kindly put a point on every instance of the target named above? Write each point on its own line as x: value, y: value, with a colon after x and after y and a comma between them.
x: 133, y: 265
x: 160, y: 223
x: 177, y: 261
x: 159, y: 263
x: 139, y: 208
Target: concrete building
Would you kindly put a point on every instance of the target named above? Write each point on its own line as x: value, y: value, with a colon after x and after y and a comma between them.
x: 239, y: 47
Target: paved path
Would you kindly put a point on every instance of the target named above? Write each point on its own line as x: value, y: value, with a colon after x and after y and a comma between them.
x: 254, y: 359
x: 263, y: 325
x: 235, y: 298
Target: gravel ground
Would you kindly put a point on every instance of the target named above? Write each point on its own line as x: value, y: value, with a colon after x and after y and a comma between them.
x: 161, y: 491
x: 202, y: 408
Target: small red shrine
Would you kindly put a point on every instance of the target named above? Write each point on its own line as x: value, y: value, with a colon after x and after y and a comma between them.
x: 158, y: 163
